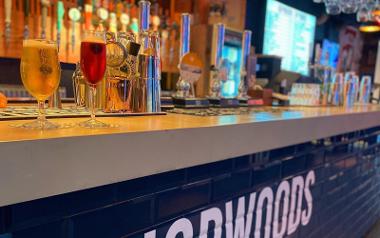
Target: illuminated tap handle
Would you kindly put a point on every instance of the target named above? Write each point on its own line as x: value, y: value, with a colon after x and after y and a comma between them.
x: 26, y: 18
x: 60, y: 14
x: 220, y: 31
x: 144, y: 15
x: 74, y: 16
x: 113, y: 22
x: 88, y: 16
x: 44, y: 11
x: 124, y: 20
x: 8, y: 17
x: 246, y: 45
x: 185, y: 35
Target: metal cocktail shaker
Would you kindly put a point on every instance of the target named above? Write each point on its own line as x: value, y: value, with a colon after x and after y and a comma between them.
x: 146, y: 88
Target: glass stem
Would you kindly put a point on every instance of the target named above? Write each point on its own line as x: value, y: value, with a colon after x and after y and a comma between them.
x: 41, y: 111
x: 92, y: 102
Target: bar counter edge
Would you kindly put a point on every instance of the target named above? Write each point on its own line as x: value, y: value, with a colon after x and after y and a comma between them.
x: 41, y: 168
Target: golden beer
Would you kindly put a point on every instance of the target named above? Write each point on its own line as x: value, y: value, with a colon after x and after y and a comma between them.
x: 40, y: 69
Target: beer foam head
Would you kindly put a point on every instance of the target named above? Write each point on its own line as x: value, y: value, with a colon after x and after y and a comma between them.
x: 40, y: 44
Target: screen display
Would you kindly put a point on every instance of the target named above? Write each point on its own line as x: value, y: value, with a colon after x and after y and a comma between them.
x: 232, y: 61
x: 330, y: 53
x: 232, y: 57
x: 289, y: 33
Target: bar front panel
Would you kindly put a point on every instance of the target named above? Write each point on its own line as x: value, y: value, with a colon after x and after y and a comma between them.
x: 324, y: 188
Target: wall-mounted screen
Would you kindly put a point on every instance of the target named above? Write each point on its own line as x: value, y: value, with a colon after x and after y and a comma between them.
x: 289, y: 33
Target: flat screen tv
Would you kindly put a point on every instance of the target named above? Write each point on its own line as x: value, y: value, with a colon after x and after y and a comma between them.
x: 289, y: 33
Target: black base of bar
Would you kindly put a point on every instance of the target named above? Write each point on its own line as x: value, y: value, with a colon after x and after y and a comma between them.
x: 224, y: 102
x: 191, y: 102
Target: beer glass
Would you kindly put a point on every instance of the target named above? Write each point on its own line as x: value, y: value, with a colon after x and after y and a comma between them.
x: 40, y: 74
x: 93, y: 66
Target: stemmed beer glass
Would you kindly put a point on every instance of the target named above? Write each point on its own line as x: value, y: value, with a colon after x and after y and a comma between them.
x: 93, y: 66
x: 40, y: 74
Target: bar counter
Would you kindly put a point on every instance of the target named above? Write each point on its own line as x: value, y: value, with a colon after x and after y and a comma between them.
x: 39, y: 165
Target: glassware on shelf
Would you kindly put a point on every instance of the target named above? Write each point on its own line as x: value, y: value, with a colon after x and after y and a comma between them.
x: 333, y: 7
x: 349, y: 6
x: 40, y: 73
x: 93, y: 66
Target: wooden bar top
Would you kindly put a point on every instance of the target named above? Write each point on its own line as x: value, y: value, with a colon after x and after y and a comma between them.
x: 37, y: 164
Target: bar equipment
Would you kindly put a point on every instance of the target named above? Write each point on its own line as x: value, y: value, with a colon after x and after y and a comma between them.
x: 219, y: 72
x: 8, y: 20
x: 88, y: 16
x: 44, y: 12
x: 74, y: 16
x: 122, y: 55
x: 60, y: 14
x: 190, y: 68
x: 124, y: 20
x: 365, y: 90
x: 243, y: 86
x: 26, y: 19
x: 79, y: 87
x: 146, y: 87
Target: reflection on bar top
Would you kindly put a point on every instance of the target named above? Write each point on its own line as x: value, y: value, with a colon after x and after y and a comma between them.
x: 173, y: 121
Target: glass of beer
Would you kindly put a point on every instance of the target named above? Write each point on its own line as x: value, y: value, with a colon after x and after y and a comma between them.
x: 40, y: 74
x: 93, y: 66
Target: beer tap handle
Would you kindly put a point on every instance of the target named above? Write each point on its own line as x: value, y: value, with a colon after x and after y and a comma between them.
x: 44, y: 11
x: 26, y: 18
x: 88, y: 16
x: 246, y: 44
x: 74, y: 16
x: 8, y: 17
x: 219, y: 44
x: 185, y: 35
x: 60, y: 14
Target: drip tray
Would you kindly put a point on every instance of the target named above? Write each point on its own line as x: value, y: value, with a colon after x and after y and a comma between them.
x: 229, y: 111
x: 30, y: 112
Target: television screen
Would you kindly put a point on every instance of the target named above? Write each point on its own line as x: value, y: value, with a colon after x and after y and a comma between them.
x: 289, y: 33
x: 330, y: 53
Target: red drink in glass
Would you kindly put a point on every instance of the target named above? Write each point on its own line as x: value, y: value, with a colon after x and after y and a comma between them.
x: 93, y: 61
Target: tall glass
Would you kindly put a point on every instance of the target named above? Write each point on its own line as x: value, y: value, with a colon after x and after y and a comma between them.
x: 40, y: 74
x: 93, y: 66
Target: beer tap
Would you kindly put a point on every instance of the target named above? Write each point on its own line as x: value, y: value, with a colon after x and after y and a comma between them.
x: 88, y: 16
x: 26, y: 18
x: 103, y: 16
x: 60, y: 14
x: 74, y: 16
x: 216, y: 67
x: 144, y: 15
x: 124, y: 20
x: 44, y: 11
x: 246, y: 44
x: 183, y: 86
x: 113, y: 22
x: 8, y: 20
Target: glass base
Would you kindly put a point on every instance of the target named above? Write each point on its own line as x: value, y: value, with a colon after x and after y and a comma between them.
x: 39, y: 125
x: 93, y: 123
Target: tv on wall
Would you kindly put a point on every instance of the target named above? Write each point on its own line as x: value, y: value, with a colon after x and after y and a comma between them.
x: 289, y: 33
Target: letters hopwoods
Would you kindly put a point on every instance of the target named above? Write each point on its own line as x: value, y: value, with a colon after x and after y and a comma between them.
x: 284, y: 214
